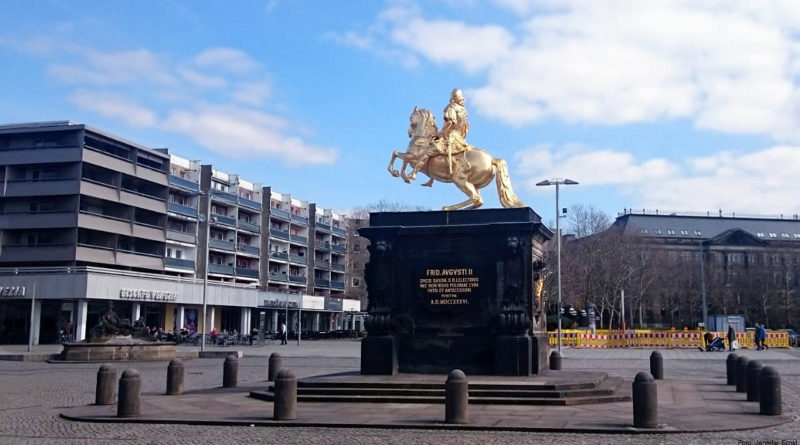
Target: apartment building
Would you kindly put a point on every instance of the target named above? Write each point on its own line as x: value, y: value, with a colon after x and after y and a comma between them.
x: 87, y: 217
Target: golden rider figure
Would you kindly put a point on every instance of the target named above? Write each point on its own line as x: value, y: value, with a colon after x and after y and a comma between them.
x: 454, y: 132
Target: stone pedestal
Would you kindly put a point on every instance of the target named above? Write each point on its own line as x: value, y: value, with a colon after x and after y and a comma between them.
x: 455, y: 290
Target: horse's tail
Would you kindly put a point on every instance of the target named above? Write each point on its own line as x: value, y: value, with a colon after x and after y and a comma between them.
x: 504, y: 190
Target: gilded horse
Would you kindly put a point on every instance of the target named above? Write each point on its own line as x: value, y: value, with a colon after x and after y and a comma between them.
x: 470, y: 170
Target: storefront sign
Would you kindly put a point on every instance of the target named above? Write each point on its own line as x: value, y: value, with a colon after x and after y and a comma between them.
x: 333, y: 304
x: 12, y: 291
x: 147, y: 295
x: 280, y: 304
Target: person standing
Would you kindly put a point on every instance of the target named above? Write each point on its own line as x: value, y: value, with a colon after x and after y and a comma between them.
x: 731, y: 337
x: 283, y: 333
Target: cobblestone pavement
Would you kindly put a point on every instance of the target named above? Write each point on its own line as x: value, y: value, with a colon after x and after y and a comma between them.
x: 33, y: 393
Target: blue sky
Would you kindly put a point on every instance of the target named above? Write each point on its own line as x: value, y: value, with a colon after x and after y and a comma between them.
x: 670, y: 105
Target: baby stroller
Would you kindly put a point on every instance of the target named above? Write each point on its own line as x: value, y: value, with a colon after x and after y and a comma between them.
x: 718, y: 344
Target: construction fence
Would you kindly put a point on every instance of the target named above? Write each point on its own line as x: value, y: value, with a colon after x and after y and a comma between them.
x: 645, y: 338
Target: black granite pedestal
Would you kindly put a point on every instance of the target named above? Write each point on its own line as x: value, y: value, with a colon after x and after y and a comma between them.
x: 454, y: 290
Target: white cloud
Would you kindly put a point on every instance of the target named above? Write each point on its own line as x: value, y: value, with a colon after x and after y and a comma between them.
x: 230, y: 59
x: 244, y: 132
x: 728, y: 66
x: 115, y: 106
x: 113, y: 68
x: 252, y: 93
x: 760, y: 182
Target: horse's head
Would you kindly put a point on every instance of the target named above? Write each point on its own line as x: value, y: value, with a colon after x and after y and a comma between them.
x: 422, y: 123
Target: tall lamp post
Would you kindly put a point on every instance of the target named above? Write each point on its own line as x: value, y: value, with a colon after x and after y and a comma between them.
x: 557, y: 182
x: 207, y: 195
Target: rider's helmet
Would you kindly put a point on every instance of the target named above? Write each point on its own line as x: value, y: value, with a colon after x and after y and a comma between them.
x: 456, y: 96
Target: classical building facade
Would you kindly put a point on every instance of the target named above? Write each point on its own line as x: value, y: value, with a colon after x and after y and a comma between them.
x: 87, y: 217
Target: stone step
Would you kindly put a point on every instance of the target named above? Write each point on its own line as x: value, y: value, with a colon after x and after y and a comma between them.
x: 606, y: 392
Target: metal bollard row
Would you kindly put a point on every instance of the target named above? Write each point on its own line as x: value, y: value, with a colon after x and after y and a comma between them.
x: 106, y: 380
x: 175, y: 375
x: 456, y: 397
x: 657, y: 365
x: 274, y: 366
x: 230, y: 372
x: 730, y: 368
x: 130, y: 393
x: 645, y: 401
x: 555, y: 361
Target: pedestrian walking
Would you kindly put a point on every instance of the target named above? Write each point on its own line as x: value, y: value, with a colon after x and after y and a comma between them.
x: 731, y: 337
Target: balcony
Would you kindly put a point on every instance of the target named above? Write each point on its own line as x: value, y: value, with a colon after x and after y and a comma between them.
x: 180, y: 263
x: 300, y: 219
x: 221, y: 245
x: 220, y: 269
x: 322, y: 264
x: 299, y: 239
x: 323, y: 227
x: 278, y: 277
x: 323, y: 245
x: 319, y: 282
x: 183, y: 237
x: 248, y: 249
x: 339, y: 231
x: 297, y: 259
x: 279, y: 234
x: 182, y: 209
x: 297, y: 279
x: 337, y: 267
x: 250, y: 203
x: 279, y: 256
x: 18, y: 253
x: 225, y: 196
x: 41, y: 187
x: 278, y: 213
x: 184, y: 183
x: 337, y: 248
x: 220, y: 219
x: 37, y: 220
x: 245, y: 272
x: 337, y: 285
x: 249, y: 226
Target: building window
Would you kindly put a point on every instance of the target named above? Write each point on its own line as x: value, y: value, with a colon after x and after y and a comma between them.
x: 356, y: 282
x: 684, y: 232
x: 752, y: 259
x: 657, y: 231
x: 643, y: 230
x: 784, y: 235
x: 773, y: 235
x: 670, y: 232
x: 760, y: 234
x: 698, y: 233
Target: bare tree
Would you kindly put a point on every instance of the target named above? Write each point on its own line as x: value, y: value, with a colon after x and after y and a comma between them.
x: 586, y: 220
x: 385, y: 206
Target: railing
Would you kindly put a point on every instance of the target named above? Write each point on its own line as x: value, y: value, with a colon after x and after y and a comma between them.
x: 321, y: 283
x: 297, y: 259
x: 278, y: 277
x: 185, y: 237
x: 339, y: 249
x: 248, y: 249
x: 180, y: 263
x: 250, y: 203
x: 338, y: 266
x: 321, y: 264
x: 227, y: 220
x: 297, y: 279
x: 323, y: 245
x: 249, y: 226
x: 299, y: 239
x: 301, y: 219
x: 279, y: 213
x: 220, y: 269
x: 323, y: 226
x: 245, y: 272
x: 337, y: 285
x: 185, y: 183
x: 279, y: 234
x: 225, y: 195
x: 279, y: 255
x: 339, y: 231
x: 182, y: 209
x: 220, y: 244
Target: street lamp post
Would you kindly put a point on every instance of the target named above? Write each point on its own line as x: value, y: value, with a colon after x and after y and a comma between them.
x: 205, y: 275
x: 557, y: 182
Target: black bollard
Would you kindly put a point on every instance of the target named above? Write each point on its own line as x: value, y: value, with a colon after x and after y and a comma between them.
x: 769, y: 392
x: 106, y: 380
x: 645, y: 401
x: 285, y: 404
x: 555, y: 361
x: 230, y: 372
x: 753, y: 369
x: 130, y: 388
x: 175, y: 374
x: 657, y: 365
x: 730, y: 367
x: 456, y: 397
x: 741, y: 374
x: 274, y: 366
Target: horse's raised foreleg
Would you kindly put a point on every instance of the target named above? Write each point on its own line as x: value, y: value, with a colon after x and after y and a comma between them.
x: 391, y: 165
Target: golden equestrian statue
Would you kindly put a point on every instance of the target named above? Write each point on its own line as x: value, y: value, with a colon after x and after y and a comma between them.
x: 447, y: 157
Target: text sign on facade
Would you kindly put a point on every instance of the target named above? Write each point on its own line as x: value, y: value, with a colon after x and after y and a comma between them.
x: 280, y: 304
x: 451, y: 286
x: 12, y: 291
x: 147, y: 295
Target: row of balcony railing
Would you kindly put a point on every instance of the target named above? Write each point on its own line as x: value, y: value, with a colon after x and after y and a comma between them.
x: 234, y: 199
x: 230, y: 246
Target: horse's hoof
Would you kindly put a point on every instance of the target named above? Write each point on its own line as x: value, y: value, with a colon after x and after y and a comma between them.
x: 408, y: 180
x: 394, y: 173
